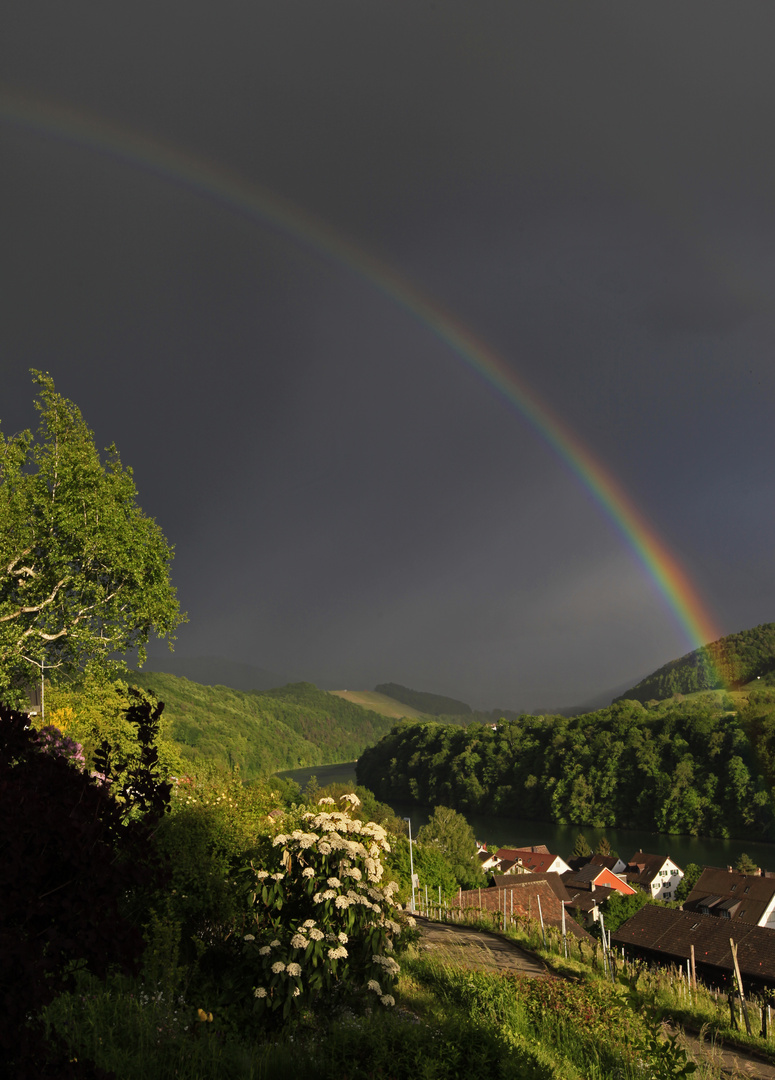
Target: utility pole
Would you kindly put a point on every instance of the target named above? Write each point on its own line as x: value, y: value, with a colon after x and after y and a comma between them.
x: 411, y: 859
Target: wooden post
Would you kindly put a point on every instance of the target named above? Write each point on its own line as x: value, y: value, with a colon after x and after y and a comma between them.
x: 564, y: 939
x: 694, y: 968
x: 740, y: 986
x: 541, y: 917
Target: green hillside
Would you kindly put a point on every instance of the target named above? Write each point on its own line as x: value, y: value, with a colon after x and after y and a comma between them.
x: 423, y: 702
x: 729, y: 662
x: 263, y: 732
x: 379, y: 703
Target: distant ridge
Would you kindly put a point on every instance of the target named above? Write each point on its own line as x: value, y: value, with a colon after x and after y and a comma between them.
x: 217, y: 671
x: 741, y: 657
x: 430, y: 704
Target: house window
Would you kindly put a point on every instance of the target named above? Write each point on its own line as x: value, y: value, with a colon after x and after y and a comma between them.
x: 733, y: 887
x: 673, y: 872
x: 725, y: 915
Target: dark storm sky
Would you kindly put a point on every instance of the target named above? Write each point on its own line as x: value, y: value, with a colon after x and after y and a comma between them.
x: 590, y: 188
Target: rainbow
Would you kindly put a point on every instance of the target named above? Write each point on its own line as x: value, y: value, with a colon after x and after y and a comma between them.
x: 218, y: 184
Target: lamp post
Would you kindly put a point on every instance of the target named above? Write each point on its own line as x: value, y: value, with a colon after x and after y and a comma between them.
x: 411, y: 860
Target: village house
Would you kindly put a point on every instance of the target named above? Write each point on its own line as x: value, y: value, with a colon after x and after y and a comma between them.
x: 534, y: 860
x: 590, y: 887
x: 611, y: 862
x: 656, y: 875
x: 729, y: 894
x: 667, y: 936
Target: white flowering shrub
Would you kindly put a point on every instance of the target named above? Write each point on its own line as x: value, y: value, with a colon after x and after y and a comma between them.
x: 321, y: 917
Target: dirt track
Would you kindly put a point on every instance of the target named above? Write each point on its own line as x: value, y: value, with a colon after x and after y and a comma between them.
x: 477, y: 949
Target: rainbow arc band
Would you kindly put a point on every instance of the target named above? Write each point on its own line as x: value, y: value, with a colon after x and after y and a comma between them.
x: 220, y: 185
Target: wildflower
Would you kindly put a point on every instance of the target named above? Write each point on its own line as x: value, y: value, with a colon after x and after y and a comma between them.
x: 372, y: 984
x: 338, y: 953
x: 264, y: 951
x: 308, y: 924
x: 342, y: 902
x: 308, y: 871
x: 342, y: 938
x: 324, y: 847
x: 329, y: 894
x: 388, y: 999
x: 294, y: 969
x: 334, y: 882
x: 259, y: 992
x: 278, y: 967
x: 249, y: 937
x: 281, y: 838
x: 327, y: 800
x: 205, y: 1017
x: 316, y: 935
x: 296, y: 991
x: 351, y: 798
x: 298, y: 941
x: 278, y: 877
x: 353, y: 872
x: 261, y: 874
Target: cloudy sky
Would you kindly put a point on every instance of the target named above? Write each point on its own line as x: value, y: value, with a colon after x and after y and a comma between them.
x: 589, y: 189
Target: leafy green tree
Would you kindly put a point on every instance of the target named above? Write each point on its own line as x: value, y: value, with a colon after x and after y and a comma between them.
x: 746, y: 865
x: 84, y: 573
x: 453, y: 836
x: 581, y: 849
x: 603, y: 847
x: 619, y: 908
x: 691, y: 876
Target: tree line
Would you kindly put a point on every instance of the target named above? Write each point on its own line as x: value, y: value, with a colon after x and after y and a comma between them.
x: 681, y: 767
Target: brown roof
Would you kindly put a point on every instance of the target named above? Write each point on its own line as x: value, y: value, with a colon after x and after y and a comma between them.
x: 608, y: 861
x: 519, y: 897
x: 585, y: 899
x: 730, y: 894
x: 553, y: 879
x: 643, y: 868
x: 669, y: 933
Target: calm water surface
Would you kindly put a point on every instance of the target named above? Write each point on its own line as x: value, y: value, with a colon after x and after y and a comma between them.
x: 515, y: 832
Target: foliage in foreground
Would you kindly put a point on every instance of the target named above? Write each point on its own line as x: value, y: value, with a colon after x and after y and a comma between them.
x: 84, y: 573
x: 77, y: 865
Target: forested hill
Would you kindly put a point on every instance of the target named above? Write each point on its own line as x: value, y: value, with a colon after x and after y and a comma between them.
x: 730, y: 662
x: 682, y: 767
x: 430, y: 704
x: 263, y: 732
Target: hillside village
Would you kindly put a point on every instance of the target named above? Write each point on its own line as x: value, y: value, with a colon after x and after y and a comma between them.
x: 574, y: 897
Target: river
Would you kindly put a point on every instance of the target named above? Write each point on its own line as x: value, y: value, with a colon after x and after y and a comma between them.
x: 560, y: 839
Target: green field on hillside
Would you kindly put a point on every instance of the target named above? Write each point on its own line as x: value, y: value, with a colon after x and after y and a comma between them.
x: 379, y: 703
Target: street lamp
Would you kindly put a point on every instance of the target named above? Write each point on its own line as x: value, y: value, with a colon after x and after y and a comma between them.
x: 411, y: 860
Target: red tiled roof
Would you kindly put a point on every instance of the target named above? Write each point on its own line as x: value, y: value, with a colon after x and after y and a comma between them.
x: 538, y: 862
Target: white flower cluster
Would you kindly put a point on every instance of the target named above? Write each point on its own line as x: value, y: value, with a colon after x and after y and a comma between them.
x: 345, y: 856
x: 387, y: 962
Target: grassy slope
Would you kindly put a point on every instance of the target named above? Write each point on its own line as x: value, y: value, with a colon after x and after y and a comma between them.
x: 379, y: 703
x: 263, y: 732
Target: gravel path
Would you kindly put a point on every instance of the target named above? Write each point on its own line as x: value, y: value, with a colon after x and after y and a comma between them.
x: 477, y: 949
